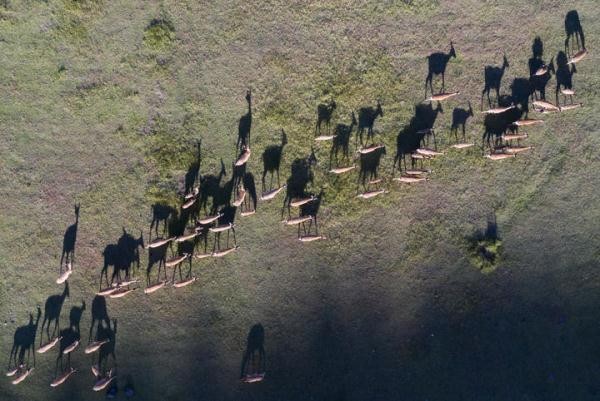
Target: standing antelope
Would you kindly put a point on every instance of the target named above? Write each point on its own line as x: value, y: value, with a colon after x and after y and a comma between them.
x: 324, y: 113
x: 272, y: 160
x: 366, y: 119
x: 437, y: 63
x: 493, y: 80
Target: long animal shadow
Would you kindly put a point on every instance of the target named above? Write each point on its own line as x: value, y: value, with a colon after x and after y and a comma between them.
x: 68, y: 337
x: 122, y: 256
x: 324, y: 114
x: 99, y: 314
x: 301, y: 176
x: 369, y: 167
x: 209, y: 187
x: 69, y: 240
x: 411, y: 136
x: 540, y: 73
x: 245, y: 125
x: 271, y: 158
x: 24, y: 342
x: 437, y: 64
x: 460, y: 117
x: 107, y: 331
x: 251, y: 200
x: 341, y: 142
x: 311, y: 209
x: 192, y: 174
x: 75, y: 316
x: 493, y: 80
x: 496, y: 125
x: 254, y: 359
x: 520, y: 92
x: 564, y: 75
x: 156, y: 258
x: 52, y: 310
x: 228, y: 213
x: 574, y: 30
x: 160, y: 214
x: 366, y: 121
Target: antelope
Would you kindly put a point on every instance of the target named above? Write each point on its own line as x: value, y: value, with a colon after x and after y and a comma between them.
x: 192, y: 194
x: 441, y: 96
x: 22, y: 376
x: 210, y: 219
x: 240, y: 196
x: 49, y: 345
x: 409, y: 179
x: 102, y: 383
x: 155, y: 287
x: 176, y: 260
x: 527, y: 122
x: 183, y: 283
x: 202, y: 255
x: 95, y: 371
x: 14, y: 371
x: 62, y: 378
x: 223, y: 252
x: 418, y: 156
x: 311, y: 238
x: 160, y: 242
x: 437, y: 66
x: 541, y: 71
x: 107, y: 291
x: 221, y: 228
x: 545, y: 105
x: 342, y: 170
x: 120, y: 293
x: 417, y: 171
x: 570, y: 106
x: 577, y: 57
x: 517, y: 149
x: 366, y: 119
x: 125, y: 283
x: 371, y: 194
x: 95, y: 346
x: 302, y: 201
x: 253, y: 378
x: 324, y: 113
x: 243, y: 157
x: 323, y: 138
x: 499, y: 110
x: 493, y: 80
x: 70, y: 348
x: 189, y: 203
x: 272, y: 193
x: 567, y: 91
x: 65, y: 275
x: 297, y: 220
x: 184, y: 238
x: 375, y: 181
x: 428, y: 152
x: 513, y: 137
x: 463, y: 145
x: 247, y: 213
x: 499, y: 156
x: 364, y: 151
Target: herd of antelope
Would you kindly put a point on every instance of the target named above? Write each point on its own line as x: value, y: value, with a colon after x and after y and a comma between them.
x: 502, y: 121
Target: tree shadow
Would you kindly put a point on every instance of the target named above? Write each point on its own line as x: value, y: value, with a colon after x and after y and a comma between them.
x: 271, y: 158
x: 493, y: 80
x: 122, y: 256
x: 437, y: 64
x: 573, y: 30
x: 52, y: 310
x: 301, y: 176
x: 540, y: 73
x: 564, y: 75
x: 366, y: 120
x: 341, y: 141
x: 69, y: 240
x: 411, y: 136
x: 460, y: 117
x: 253, y: 365
x: 245, y: 126
x: 24, y: 342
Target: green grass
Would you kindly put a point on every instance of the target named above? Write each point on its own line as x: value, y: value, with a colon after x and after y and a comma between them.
x: 103, y: 104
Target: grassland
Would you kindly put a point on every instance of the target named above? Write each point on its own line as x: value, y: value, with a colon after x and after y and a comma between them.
x: 103, y: 102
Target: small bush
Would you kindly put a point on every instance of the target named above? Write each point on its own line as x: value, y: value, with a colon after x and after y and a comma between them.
x: 159, y: 33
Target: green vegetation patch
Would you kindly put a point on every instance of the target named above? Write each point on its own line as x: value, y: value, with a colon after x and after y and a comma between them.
x: 485, y: 253
x: 159, y: 33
